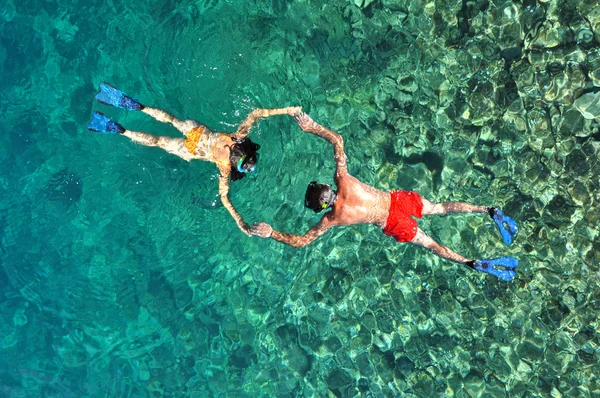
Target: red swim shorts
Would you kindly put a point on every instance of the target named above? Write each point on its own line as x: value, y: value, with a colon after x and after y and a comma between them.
x: 399, y: 224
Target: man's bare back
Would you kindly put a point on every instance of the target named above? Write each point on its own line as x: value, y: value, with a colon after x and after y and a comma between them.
x: 358, y: 203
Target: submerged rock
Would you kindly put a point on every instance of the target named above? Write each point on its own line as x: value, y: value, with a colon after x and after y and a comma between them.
x: 589, y: 105
x: 64, y: 187
x: 593, y: 66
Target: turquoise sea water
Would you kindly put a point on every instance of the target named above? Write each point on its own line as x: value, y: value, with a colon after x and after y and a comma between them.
x: 121, y: 274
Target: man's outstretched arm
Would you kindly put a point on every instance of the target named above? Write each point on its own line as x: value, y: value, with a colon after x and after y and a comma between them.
x: 310, y: 126
x: 244, y: 128
x: 264, y: 230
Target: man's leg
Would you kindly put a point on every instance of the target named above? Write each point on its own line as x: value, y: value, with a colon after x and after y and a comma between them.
x: 502, y: 268
x: 451, y: 207
x: 422, y: 239
x: 507, y: 226
x: 182, y: 125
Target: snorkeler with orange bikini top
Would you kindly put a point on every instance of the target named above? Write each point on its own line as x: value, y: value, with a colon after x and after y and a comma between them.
x: 234, y: 155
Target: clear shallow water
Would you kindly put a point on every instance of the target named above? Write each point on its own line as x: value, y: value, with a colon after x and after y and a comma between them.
x: 120, y: 277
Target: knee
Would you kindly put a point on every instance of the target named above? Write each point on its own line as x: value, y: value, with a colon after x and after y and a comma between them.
x: 433, y: 208
x: 188, y: 124
x: 163, y: 142
x: 165, y: 118
x: 444, y: 208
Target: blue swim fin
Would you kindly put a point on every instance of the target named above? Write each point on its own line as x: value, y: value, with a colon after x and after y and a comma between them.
x: 506, y: 272
x: 109, y: 95
x: 507, y: 226
x: 104, y: 125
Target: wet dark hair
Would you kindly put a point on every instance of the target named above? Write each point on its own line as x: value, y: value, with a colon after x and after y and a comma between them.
x: 317, y: 195
x: 244, y: 147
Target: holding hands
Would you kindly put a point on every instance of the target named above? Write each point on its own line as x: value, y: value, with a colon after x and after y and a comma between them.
x: 306, y: 123
x: 262, y: 229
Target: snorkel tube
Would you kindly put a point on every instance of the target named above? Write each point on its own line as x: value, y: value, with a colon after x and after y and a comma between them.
x: 240, y: 167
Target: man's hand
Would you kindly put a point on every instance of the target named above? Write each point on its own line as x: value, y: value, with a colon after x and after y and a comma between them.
x: 261, y: 229
x: 293, y: 110
x: 305, y: 122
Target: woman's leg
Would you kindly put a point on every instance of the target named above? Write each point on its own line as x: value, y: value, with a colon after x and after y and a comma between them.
x: 182, y: 125
x: 110, y: 95
x: 169, y: 144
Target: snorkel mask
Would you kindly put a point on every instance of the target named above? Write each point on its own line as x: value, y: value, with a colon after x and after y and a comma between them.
x: 242, y: 169
x: 319, y: 197
x: 330, y: 200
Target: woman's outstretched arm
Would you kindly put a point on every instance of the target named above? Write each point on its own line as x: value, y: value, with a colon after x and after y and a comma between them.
x: 223, y: 194
x: 244, y: 128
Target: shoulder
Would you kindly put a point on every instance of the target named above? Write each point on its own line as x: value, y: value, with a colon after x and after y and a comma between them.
x: 221, y: 149
x: 343, y: 179
x: 322, y: 226
x: 331, y: 218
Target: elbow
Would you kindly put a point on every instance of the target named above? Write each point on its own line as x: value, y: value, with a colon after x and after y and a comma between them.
x: 223, y: 192
x: 338, y: 141
x: 339, y: 146
x: 291, y: 242
x: 225, y: 201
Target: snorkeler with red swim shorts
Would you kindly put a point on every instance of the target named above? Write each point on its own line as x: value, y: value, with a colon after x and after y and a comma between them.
x: 358, y: 203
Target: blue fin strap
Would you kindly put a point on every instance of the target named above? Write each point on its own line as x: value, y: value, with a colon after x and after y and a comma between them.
x: 489, y: 266
x: 109, y: 95
x: 507, y: 226
x: 104, y: 125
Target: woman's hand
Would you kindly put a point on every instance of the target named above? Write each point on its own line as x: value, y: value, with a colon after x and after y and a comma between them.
x: 245, y: 228
x: 293, y: 110
x: 261, y: 229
